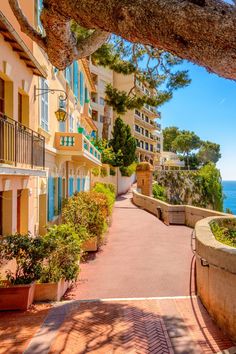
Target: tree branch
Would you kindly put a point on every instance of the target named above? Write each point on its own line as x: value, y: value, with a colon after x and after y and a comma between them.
x: 26, y: 26
x: 202, y: 31
x: 90, y: 44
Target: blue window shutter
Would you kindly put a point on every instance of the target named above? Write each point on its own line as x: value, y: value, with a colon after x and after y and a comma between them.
x: 59, y: 194
x: 50, y: 198
x: 78, y: 184
x: 76, y: 79
x: 83, y: 184
x: 81, y: 86
x: 71, y: 186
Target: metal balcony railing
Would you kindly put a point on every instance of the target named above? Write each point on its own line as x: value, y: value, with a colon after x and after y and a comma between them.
x: 20, y: 145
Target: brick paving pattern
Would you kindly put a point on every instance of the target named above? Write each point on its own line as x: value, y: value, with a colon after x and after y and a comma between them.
x: 151, y: 267
x: 114, y: 327
x: 17, y: 328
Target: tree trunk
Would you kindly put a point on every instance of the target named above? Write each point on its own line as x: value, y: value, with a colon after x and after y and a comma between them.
x: 202, y: 31
x: 106, y: 122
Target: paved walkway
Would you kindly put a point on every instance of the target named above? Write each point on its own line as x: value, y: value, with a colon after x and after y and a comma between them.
x: 136, y: 295
x: 142, y: 258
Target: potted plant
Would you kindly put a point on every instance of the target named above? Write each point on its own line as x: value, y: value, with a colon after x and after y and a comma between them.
x: 61, y: 266
x: 80, y: 130
x: 25, y: 255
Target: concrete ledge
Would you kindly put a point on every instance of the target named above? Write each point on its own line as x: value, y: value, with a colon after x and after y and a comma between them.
x: 174, y: 214
x: 216, y: 276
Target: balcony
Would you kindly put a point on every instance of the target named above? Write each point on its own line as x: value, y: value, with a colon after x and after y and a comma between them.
x: 76, y: 147
x: 21, y: 148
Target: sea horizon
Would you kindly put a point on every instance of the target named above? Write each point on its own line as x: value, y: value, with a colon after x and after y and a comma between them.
x: 229, y: 189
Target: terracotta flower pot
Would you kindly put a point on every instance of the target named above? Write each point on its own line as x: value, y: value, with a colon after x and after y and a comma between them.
x: 51, y: 291
x: 16, y: 297
x: 90, y: 245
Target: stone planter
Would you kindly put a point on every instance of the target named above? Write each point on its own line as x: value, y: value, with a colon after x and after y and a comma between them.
x: 90, y: 245
x: 16, y: 297
x: 51, y: 291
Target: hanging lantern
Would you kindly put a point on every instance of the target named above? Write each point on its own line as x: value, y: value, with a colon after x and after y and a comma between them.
x: 61, y: 115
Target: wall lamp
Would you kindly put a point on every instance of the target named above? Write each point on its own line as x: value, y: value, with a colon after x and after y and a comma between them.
x: 61, y: 113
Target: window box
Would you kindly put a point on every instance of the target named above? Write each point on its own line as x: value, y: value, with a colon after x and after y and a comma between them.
x: 51, y: 291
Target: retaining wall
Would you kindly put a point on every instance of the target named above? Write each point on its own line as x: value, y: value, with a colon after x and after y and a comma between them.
x: 216, y: 276
x: 215, y: 262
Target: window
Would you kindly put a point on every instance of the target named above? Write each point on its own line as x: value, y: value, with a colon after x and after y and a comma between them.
x: 101, y: 118
x: 44, y: 106
x: 2, y: 95
x: 146, y: 146
x: 146, y: 132
x: 68, y: 75
x: 146, y: 119
x: 71, y: 123
x: 102, y: 101
x: 39, y: 9
x: 151, y: 147
x: 137, y: 128
x: 137, y: 112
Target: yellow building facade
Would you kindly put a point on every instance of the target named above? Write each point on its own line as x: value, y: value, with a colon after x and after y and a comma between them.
x: 42, y: 159
x: 144, y: 123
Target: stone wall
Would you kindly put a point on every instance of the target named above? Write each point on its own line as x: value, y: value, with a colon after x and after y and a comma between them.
x: 173, y: 214
x: 216, y: 276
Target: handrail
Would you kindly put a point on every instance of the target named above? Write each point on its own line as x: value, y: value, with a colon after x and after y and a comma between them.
x: 20, y: 144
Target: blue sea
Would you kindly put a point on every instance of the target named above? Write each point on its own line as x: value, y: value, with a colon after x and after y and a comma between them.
x: 229, y: 188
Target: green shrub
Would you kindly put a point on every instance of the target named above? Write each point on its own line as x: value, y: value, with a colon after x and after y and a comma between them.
x: 159, y: 192
x: 110, y: 195
x: 28, y: 252
x: 87, y: 211
x: 96, y: 171
x: 224, y: 231
x: 112, y: 171
x: 103, y: 172
x: 128, y: 171
x: 64, y: 246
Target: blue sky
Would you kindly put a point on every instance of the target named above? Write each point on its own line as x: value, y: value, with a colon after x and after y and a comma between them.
x: 208, y: 107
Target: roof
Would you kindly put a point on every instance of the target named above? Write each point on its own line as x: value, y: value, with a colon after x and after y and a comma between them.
x: 18, y: 45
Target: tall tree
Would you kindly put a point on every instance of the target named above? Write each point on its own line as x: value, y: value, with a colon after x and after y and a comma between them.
x: 208, y: 152
x: 123, y: 144
x: 152, y: 67
x: 169, y: 135
x: 202, y: 31
x: 185, y: 142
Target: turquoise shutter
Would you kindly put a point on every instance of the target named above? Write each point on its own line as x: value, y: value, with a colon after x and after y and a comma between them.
x: 59, y: 194
x: 50, y: 198
x: 86, y: 93
x: 81, y: 87
x: 78, y: 184
x: 71, y: 186
x: 83, y: 184
x: 76, y: 79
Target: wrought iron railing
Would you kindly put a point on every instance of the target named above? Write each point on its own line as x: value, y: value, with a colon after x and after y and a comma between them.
x: 20, y: 145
